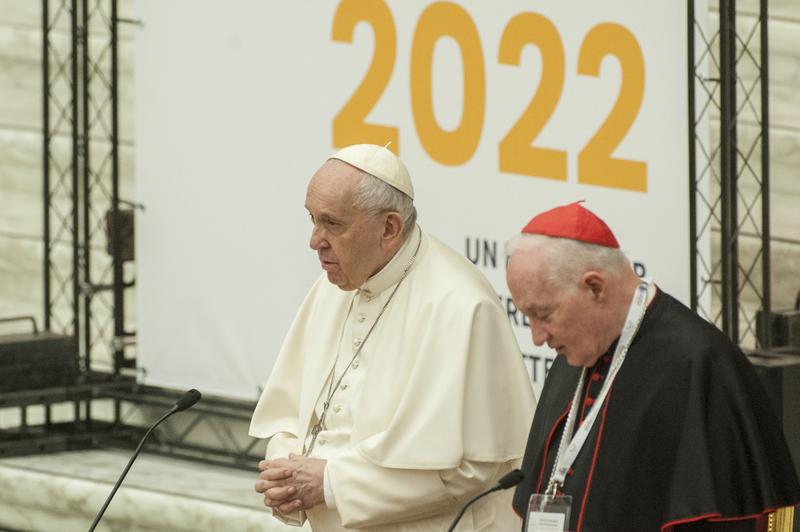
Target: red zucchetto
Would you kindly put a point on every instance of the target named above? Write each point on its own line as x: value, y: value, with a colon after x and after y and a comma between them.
x: 572, y: 221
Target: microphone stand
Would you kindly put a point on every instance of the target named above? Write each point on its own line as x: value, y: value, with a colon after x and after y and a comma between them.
x: 188, y: 399
x: 511, y: 479
x: 464, y: 508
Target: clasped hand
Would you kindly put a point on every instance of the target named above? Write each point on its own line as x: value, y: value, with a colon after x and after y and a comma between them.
x: 291, y: 484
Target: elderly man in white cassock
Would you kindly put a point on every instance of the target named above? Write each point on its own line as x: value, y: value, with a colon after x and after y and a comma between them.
x: 399, y: 392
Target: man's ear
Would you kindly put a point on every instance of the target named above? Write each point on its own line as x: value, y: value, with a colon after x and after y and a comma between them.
x: 596, y: 282
x: 392, y: 227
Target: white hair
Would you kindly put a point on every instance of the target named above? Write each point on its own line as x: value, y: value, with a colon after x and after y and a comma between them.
x: 375, y: 196
x: 568, y: 259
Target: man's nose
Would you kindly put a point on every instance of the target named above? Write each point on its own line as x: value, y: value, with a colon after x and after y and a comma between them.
x: 539, y: 335
x: 317, y: 239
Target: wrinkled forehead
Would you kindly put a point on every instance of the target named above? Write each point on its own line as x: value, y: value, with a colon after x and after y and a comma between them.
x: 527, y: 268
x: 333, y: 184
x: 529, y: 255
x: 337, y: 174
x: 529, y: 273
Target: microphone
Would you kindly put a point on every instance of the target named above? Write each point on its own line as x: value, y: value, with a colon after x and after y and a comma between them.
x: 510, y: 479
x: 187, y: 400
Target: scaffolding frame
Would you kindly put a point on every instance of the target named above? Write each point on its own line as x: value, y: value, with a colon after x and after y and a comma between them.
x: 729, y: 175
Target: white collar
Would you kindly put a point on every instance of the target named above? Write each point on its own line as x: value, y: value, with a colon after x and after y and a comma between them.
x: 390, y: 274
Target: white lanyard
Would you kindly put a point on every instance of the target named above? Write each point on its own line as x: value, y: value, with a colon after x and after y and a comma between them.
x: 566, y: 457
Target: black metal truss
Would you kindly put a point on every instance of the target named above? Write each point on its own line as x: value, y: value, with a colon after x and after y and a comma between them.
x: 60, y: 169
x: 49, y: 435
x: 729, y: 174
x: 84, y: 296
x: 84, y: 292
x: 212, y: 432
x: 102, y: 293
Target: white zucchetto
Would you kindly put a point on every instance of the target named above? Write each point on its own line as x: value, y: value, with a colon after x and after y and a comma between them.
x: 379, y: 162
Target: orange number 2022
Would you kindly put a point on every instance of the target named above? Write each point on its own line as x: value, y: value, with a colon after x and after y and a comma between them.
x: 516, y: 150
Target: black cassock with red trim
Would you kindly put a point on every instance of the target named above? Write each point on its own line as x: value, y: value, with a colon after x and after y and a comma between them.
x: 686, y: 440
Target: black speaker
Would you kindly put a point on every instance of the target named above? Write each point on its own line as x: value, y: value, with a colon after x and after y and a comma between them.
x: 784, y: 326
x: 125, y: 224
x: 37, y: 360
x: 779, y: 371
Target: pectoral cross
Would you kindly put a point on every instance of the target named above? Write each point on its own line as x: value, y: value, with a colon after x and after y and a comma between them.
x: 317, y: 428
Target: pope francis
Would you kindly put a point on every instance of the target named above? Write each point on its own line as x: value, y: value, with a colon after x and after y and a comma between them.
x: 399, y: 392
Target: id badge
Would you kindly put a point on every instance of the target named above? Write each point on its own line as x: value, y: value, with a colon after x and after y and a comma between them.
x: 548, y: 513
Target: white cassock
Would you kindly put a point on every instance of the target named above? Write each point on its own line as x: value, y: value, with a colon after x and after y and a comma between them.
x: 434, y: 409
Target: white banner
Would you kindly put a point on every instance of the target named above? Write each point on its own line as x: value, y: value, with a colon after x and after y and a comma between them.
x: 499, y: 109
